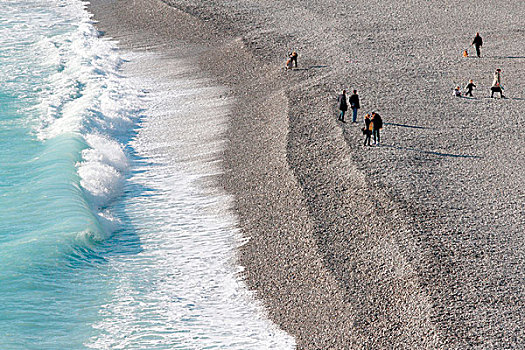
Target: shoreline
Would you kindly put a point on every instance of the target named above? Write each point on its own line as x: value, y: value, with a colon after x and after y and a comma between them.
x: 270, y: 269
x: 186, y: 221
x: 355, y: 248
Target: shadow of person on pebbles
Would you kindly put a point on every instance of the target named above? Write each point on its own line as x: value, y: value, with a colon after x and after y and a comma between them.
x: 508, y: 57
x: 439, y: 154
x: 408, y: 126
x: 497, y: 98
x: 308, y: 68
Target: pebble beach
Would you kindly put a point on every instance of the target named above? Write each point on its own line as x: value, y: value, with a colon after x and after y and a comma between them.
x: 414, y: 244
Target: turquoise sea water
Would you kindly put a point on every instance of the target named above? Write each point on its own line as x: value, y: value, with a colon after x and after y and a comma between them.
x: 108, y: 237
x: 54, y: 79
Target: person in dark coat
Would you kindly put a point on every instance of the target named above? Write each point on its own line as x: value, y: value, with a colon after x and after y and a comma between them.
x: 478, y: 43
x: 343, y: 106
x: 367, y: 130
x: 354, y: 103
x: 377, y: 125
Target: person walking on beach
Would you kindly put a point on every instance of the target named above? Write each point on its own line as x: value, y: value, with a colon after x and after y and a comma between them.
x: 478, y: 43
x: 343, y: 106
x: 354, y: 103
x: 377, y: 125
x: 497, y: 86
x: 470, y: 86
x: 367, y: 129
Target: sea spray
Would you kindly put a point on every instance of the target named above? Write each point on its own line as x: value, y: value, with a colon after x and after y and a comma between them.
x: 86, y: 98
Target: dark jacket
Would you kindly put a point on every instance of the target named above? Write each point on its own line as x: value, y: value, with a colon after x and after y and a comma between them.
x: 377, y: 121
x: 477, y: 41
x: 342, y: 102
x: 354, y: 101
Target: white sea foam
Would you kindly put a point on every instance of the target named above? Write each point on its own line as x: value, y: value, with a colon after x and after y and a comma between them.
x: 82, y: 94
x: 103, y: 169
x: 87, y: 97
x: 182, y: 289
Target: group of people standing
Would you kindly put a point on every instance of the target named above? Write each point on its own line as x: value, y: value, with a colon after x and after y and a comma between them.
x: 373, y: 121
x: 373, y: 125
x: 353, y: 100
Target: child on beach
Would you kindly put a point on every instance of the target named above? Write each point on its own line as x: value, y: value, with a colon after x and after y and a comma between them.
x: 457, y: 91
x: 470, y: 86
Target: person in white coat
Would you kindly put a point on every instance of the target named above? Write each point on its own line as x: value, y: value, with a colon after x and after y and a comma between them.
x: 497, y: 86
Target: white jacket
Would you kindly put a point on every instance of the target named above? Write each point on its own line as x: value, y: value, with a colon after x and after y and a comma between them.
x: 497, y: 79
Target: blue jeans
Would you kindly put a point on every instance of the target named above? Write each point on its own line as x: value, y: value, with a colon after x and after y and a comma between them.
x: 377, y: 137
x: 354, y: 115
x: 342, y: 115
